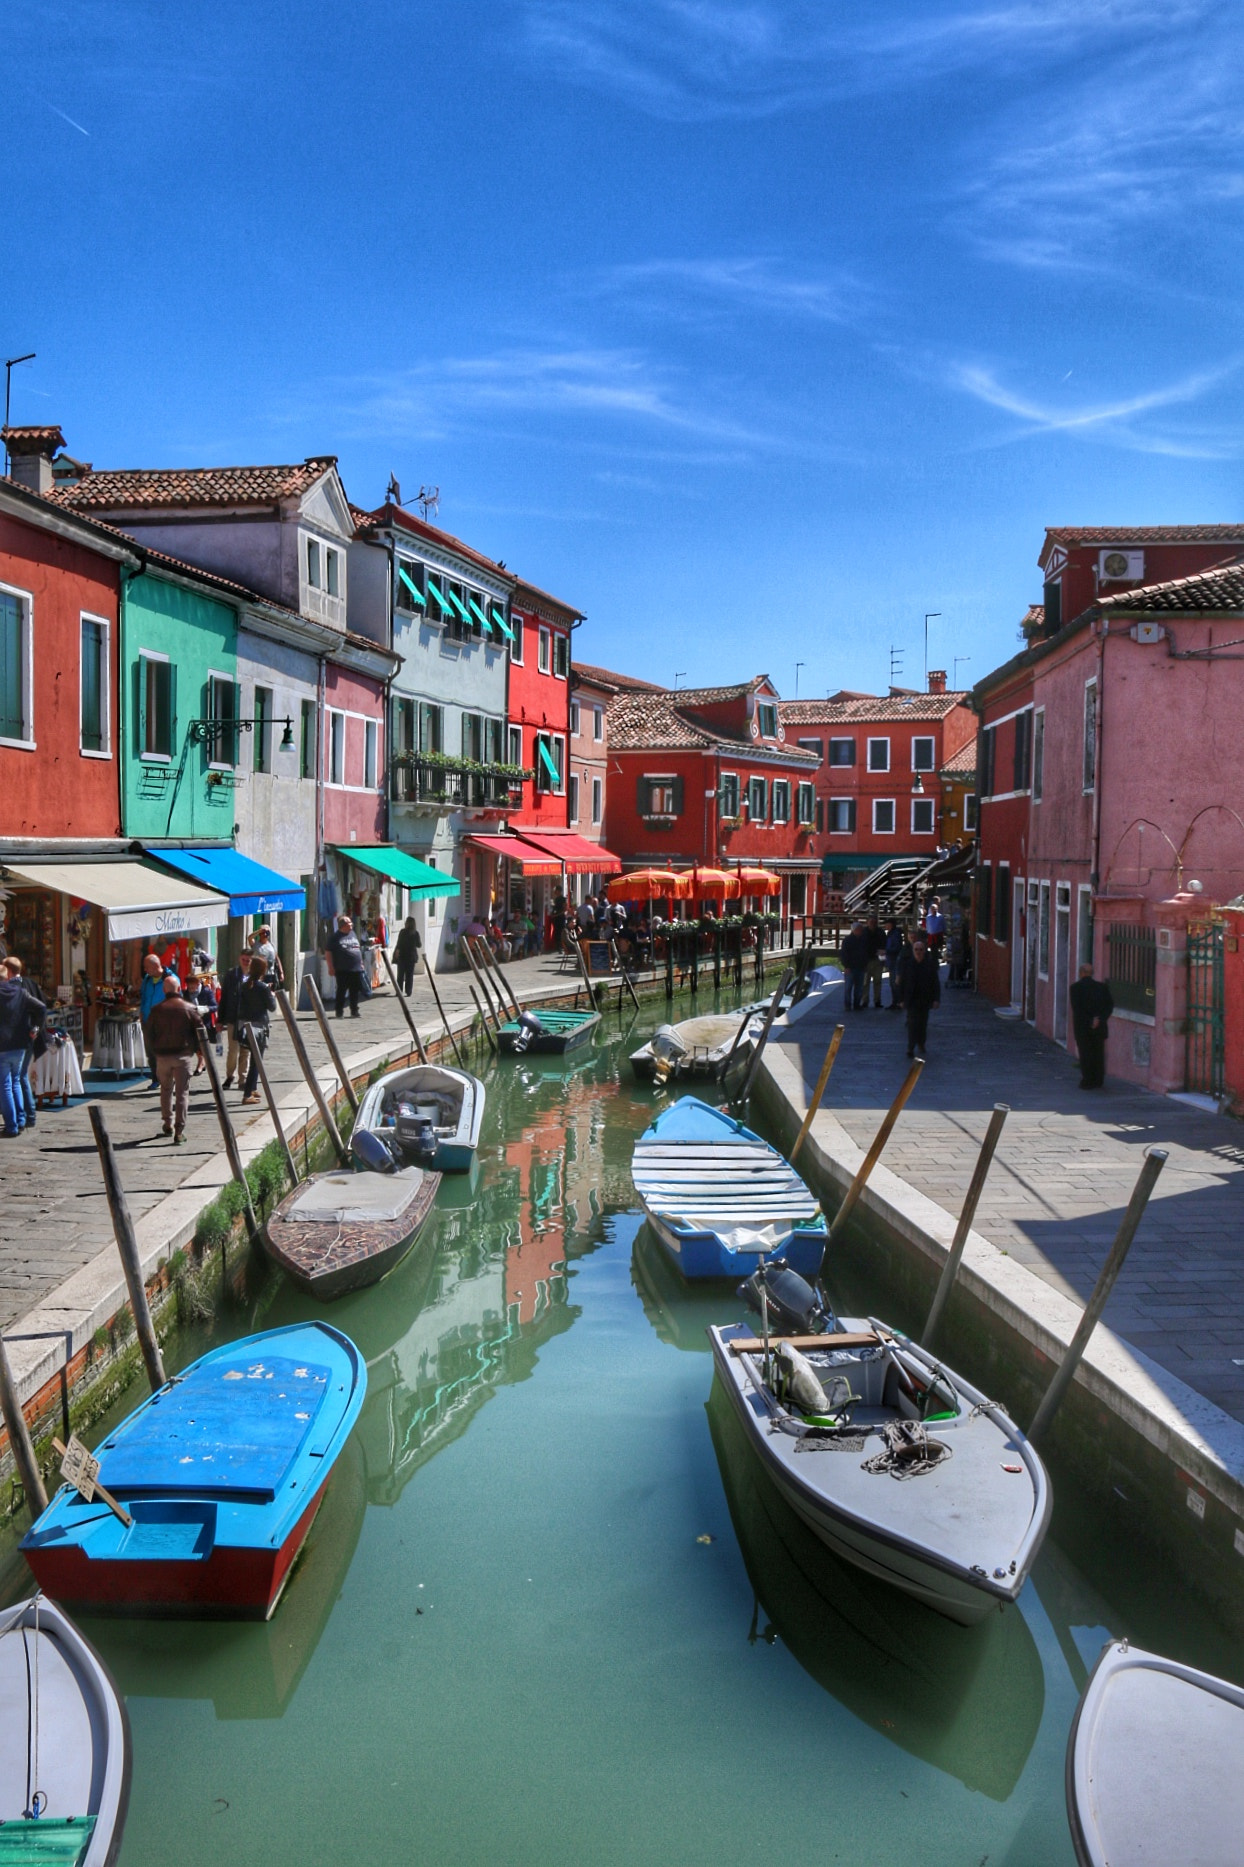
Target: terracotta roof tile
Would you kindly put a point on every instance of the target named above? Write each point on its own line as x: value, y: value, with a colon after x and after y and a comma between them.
x: 713, y: 696
x: 50, y: 436
x: 605, y: 677
x: 650, y: 722
x: 962, y: 764
x: 1221, y: 589
x: 872, y: 707
x: 147, y: 488
x: 1144, y: 534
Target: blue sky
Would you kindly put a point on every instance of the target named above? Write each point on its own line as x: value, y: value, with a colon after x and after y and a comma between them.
x: 755, y: 330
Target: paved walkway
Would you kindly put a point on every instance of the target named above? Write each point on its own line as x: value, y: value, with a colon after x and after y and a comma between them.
x: 53, y: 1215
x: 1063, y: 1173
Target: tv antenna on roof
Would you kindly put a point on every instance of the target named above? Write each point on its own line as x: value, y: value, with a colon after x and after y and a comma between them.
x: 10, y: 364
x: 429, y: 501
x: 393, y: 492
x: 896, y: 665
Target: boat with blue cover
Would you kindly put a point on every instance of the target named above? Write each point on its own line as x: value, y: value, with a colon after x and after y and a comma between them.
x: 221, y: 1473
x: 721, y: 1199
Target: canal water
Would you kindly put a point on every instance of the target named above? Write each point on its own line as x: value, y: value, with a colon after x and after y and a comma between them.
x: 552, y: 1613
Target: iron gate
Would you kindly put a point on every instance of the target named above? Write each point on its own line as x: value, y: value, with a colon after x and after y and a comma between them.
x: 1205, y: 1043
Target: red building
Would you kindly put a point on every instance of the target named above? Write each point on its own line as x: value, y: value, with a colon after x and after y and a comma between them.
x: 1004, y: 787
x: 707, y: 776
x: 879, y: 795
x: 59, y: 660
x: 538, y: 705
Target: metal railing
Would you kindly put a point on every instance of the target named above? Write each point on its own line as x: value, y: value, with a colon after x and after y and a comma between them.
x: 452, y: 786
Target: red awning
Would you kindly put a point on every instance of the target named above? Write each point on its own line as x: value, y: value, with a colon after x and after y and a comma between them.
x: 531, y: 860
x: 574, y: 853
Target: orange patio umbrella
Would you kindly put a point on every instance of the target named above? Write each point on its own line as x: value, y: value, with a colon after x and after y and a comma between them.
x: 647, y: 885
x: 759, y: 882
x: 711, y: 884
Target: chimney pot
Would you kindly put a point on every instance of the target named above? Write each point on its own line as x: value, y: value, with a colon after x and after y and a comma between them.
x: 30, y: 452
x: 937, y: 680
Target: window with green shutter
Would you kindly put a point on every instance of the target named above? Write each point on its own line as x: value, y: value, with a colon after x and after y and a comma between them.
x: 93, y: 720
x: 14, y: 611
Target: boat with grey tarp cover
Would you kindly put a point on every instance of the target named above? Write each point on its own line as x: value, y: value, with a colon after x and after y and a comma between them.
x: 1153, y: 1765
x: 895, y: 1462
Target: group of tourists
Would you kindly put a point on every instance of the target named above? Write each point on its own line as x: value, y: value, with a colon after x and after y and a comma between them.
x: 911, y: 957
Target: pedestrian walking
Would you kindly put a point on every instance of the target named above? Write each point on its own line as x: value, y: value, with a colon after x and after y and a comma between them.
x: 920, y: 985
x: 37, y: 1043
x: 256, y: 1003
x: 406, y: 955
x: 874, y: 933
x: 854, y: 954
x: 1091, y: 1009
x: 261, y: 943
x: 345, y: 961
x: 230, y: 985
x: 21, y: 1015
x: 173, y: 1033
x: 151, y: 995
x: 895, y: 943
x: 935, y: 927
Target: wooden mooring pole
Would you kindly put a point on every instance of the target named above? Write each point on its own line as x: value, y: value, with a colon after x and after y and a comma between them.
x: 950, y: 1269
x: 1155, y: 1160
x: 321, y: 1018
x: 453, y: 1042
x: 483, y: 1018
x: 312, y: 1080
x: 874, y: 1153
x: 486, y: 992
x: 19, y: 1438
x: 821, y: 1082
x: 227, y: 1132
x: 753, y: 1062
x: 127, y: 1245
x: 270, y: 1099
x: 404, y: 1002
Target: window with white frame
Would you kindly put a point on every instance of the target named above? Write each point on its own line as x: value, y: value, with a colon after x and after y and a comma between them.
x: 1043, y: 938
x: 757, y: 799
x: 431, y: 727
x: 970, y: 813
x: 841, y: 816
x: 550, y: 763
x: 561, y: 656
x: 781, y: 800
x: 313, y: 563
x: 574, y: 718
x: 767, y: 719
x: 93, y: 688
x: 806, y: 804
x: 157, y: 681
x: 812, y: 745
x: 883, y: 816
x: 371, y: 747
x: 307, y: 761
x: 332, y: 571
x: 473, y: 737
x: 1038, y: 754
x: 1090, y: 734
x: 574, y: 797
x: 922, y: 752
x: 516, y: 644
x: 515, y: 737
x: 842, y: 751
x: 494, y: 740
x: 659, y: 795
x: 598, y: 800
x: 1084, y: 925
x: 728, y: 797
x: 923, y: 812
x: 544, y: 651
x: 16, y: 667
x: 598, y: 724
x: 878, y: 755
x: 261, y: 732
x: 222, y: 711
x: 409, y: 593
x: 336, y: 747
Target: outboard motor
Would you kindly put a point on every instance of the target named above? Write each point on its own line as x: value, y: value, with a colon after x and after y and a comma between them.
x: 419, y: 1141
x: 371, y: 1153
x: 667, y: 1048
x: 795, y: 1306
x: 529, y: 1026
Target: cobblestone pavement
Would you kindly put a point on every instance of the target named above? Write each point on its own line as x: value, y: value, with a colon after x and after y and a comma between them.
x: 53, y: 1215
x: 1064, y: 1170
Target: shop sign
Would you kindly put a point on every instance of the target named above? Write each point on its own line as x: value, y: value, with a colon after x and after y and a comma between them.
x: 153, y: 923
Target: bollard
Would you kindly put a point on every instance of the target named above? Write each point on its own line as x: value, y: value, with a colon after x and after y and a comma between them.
x: 312, y: 1080
x: 19, y: 1437
x: 976, y: 1187
x: 270, y: 1098
x: 874, y: 1153
x: 127, y: 1245
x: 321, y: 1018
x: 819, y: 1091
x: 226, y: 1129
x: 1155, y: 1160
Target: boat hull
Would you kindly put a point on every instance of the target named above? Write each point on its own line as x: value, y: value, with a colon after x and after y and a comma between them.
x: 455, y: 1109
x: 564, y: 1031
x: 704, y: 1255
x: 331, y: 1266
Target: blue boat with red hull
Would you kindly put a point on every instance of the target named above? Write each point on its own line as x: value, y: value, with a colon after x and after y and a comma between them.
x: 221, y: 1471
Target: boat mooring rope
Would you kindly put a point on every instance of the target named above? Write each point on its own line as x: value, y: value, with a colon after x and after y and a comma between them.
x: 907, y: 1452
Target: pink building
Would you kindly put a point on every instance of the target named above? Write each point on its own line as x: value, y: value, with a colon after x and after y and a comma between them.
x: 1135, y: 818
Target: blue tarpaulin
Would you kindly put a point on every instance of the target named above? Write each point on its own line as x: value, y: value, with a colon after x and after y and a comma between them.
x: 251, y: 888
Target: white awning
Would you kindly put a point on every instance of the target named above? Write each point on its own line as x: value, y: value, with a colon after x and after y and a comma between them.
x: 139, y: 900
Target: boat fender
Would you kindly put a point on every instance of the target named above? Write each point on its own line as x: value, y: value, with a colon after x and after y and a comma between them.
x: 802, y: 1385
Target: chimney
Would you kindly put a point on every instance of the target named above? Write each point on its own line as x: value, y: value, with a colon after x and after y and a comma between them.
x: 937, y: 680
x: 30, y: 452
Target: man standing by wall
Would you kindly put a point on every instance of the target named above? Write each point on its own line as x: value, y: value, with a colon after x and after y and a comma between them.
x: 345, y: 956
x: 1091, y: 1007
x: 173, y: 1034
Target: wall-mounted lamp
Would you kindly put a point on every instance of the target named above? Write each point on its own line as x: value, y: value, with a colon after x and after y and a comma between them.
x: 207, y: 732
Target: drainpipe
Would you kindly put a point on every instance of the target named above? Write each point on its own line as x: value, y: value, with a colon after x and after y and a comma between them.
x: 1099, y: 754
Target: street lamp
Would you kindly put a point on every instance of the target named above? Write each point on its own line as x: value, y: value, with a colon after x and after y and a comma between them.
x: 210, y: 730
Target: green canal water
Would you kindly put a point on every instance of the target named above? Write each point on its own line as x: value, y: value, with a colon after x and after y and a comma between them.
x: 551, y: 1612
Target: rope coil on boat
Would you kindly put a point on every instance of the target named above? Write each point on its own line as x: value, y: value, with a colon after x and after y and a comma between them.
x: 907, y: 1451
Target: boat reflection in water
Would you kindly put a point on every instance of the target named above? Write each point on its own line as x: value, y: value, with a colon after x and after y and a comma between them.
x: 680, y: 1312
x: 966, y: 1699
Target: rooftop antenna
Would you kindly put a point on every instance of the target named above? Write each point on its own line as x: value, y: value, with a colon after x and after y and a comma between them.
x: 429, y: 501
x: 798, y: 665
x: 896, y: 664
x: 393, y: 492
x: 10, y: 364
x: 954, y: 679
x: 680, y: 676
x: 930, y: 615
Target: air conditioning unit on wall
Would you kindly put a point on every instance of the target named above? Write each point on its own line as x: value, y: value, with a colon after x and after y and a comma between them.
x: 1120, y: 566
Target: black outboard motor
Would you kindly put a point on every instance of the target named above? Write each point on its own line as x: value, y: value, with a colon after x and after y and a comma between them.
x: 419, y: 1141
x: 795, y: 1306
x: 529, y: 1026
x: 371, y: 1153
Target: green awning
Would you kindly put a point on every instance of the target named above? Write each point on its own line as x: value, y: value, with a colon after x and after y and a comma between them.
x: 477, y: 611
x: 434, y: 587
x: 502, y: 624
x: 419, y: 878
x: 547, y: 757
x: 414, y: 589
x: 456, y: 600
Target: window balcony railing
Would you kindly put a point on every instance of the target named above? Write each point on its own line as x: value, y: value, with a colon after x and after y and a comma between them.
x: 443, y: 783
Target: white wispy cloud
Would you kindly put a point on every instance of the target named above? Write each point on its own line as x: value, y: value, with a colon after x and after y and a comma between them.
x: 716, y: 287
x: 1118, y: 421
x: 709, y: 58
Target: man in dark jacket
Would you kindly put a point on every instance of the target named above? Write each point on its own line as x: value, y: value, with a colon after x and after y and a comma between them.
x: 406, y: 955
x: 920, y: 988
x: 855, y: 954
x: 1091, y: 1006
x: 230, y: 985
x: 895, y: 947
x: 874, y: 933
x: 173, y: 1032
x: 256, y: 1003
x: 20, y: 1016
x: 345, y: 957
